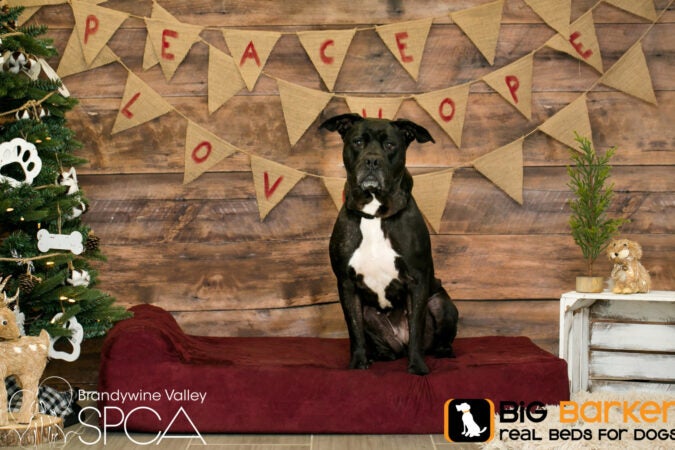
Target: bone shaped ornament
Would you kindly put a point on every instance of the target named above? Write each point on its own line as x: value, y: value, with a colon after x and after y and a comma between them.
x: 48, y: 241
x: 75, y: 340
x: 21, y: 152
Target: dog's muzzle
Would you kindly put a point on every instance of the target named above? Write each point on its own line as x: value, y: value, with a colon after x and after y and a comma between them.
x: 370, y: 173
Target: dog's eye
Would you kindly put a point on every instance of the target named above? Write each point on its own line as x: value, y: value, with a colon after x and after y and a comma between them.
x: 357, y: 142
x: 4, y: 322
x: 389, y: 146
x: 625, y: 245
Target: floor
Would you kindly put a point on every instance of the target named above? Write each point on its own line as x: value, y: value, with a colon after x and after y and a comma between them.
x: 87, y: 437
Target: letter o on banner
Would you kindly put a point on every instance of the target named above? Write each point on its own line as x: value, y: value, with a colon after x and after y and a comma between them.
x: 196, y: 157
x: 446, y: 103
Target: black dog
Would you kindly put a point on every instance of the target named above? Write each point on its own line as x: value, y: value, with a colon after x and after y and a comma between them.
x: 380, y: 250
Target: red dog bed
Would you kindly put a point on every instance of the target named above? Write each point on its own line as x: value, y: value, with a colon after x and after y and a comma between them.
x: 150, y: 370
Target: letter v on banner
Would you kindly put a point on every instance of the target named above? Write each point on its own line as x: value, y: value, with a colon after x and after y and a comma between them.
x: 139, y: 104
x: 272, y: 182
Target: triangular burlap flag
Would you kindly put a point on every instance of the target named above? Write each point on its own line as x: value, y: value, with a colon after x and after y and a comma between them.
x: 272, y: 182
x: 224, y: 79
x: 72, y: 61
x: 556, y: 13
x: 95, y: 26
x: 582, y: 42
x: 171, y: 41
x: 327, y: 51
x: 481, y: 24
x: 504, y: 167
x: 375, y: 107
x: 570, y: 120
x: 139, y: 104
x: 150, y: 59
x: 336, y: 189
x: 641, y: 8
x: 301, y: 106
x: 203, y: 150
x: 431, y: 192
x: 406, y: 41
x: 514, y: 83
x: 448, y: 108
x: 630, y: 74
x: 250, y: 50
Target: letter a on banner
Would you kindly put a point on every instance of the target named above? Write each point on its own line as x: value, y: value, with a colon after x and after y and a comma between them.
x: 571, y: 119
x: 504, y: 167
x: 481, y: 24
x: 448, y: 108
x: 203, y: 150
x: 431, y: 195
x: 171, y: 41
x: 327, y: 51
x: 250, y: 50
x: 301, y: 106
x: 95, y: 26
x: 272, y: 181
x: 514, y: 83
x: 630, y: 74
x: 582, y: 42
x: 140, y: 104
x: 406, y: 41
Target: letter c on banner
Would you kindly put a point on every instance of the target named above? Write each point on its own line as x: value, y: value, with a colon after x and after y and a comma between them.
x: 322, y: 51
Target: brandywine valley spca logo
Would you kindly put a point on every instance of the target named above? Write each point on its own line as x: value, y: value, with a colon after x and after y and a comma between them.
x: 469, y: 420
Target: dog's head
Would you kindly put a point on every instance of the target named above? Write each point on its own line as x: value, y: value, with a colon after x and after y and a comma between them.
x: 464, y: 407
x: 623, y: 250
x: 374, y: 155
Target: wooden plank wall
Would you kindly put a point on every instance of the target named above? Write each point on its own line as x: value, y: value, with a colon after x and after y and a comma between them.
x: 200, y: 250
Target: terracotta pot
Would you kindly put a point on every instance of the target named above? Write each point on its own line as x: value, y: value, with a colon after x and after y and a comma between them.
x: 590, y: 284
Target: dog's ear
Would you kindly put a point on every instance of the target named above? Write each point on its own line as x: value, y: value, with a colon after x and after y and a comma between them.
x: 636, y: 249
x: 413, y: 132
x: 342, y: 123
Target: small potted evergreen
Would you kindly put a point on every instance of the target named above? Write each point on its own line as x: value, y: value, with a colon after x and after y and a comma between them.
x: 591, y: 228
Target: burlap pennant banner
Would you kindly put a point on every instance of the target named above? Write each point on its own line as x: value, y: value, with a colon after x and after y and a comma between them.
x: 514, y: 83
x: 171, y: 42
x: 72, y: 60
x: 150, y: 58
x: 406, y: 41
x: 481, y: 24
x: 448, y: 108
x: 431, y: 195
x: 375, y: 107
x: 203, y: 150
x: 224, y: 79
x: 570, y: 120
x: 139, y: 104
x: 504, y: 167
x: 336, y: 189
x: 327, y: 51
x: 95, y: 26
x: 556, y: 13
x: 301, y: 106
x: 582, y: 42
x: 630, y: 74
x: 272, y: 181
x: 250, y: 50
x: 641, y: 8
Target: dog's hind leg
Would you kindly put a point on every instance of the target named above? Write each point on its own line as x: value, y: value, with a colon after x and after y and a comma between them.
x: 442, y: 317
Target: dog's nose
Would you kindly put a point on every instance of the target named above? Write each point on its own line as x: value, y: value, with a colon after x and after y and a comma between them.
x: 373, y: 162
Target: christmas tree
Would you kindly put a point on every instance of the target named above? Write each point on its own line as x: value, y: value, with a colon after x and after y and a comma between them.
x: 45, y: 249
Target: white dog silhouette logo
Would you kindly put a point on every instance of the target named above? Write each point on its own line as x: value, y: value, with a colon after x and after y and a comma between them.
x: 471, y: 428
x: 469, y: 420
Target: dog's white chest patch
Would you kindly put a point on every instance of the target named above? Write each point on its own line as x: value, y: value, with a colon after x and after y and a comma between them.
x: 375, y: 258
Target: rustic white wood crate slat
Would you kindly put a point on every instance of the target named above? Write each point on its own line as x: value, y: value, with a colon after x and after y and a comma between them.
x: 619, y: 342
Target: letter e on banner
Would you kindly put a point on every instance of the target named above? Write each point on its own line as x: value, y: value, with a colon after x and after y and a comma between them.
x: 165, y: 44
x: 400, y: 43
x: 91, y: 26
x: 579, y: 47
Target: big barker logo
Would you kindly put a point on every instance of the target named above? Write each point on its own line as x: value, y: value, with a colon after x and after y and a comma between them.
x: 469, y: 420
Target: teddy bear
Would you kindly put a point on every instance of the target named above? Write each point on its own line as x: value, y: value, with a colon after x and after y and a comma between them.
x: 628, y: 274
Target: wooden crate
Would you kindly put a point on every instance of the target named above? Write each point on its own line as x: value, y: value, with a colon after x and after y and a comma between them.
x: 619, y: 342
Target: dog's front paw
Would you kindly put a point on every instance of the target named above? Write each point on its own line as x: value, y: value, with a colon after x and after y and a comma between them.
x: 359, y: 361
x: 417, y: 366
x: 444, y: 352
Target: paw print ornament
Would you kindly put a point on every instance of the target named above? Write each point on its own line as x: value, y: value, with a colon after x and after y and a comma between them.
x: 75, y: 339
x: 24, y: 154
